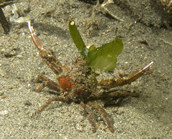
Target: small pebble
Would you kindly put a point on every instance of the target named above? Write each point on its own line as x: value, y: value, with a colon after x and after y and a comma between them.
x: 4, y: 96
x: 3, y: 113
x: 79, y: 127
x: 27, y: 103
x: 1, y: 93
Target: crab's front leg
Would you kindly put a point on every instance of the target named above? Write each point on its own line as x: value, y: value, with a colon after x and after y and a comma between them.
x: 48, y: 58
x: 46, y: 83
x: 111, y: 83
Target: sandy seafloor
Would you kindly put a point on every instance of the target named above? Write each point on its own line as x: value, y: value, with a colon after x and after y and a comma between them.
x: 147, y: 36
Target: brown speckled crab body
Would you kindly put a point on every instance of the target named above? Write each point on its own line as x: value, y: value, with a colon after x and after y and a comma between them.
x: 80, y: 85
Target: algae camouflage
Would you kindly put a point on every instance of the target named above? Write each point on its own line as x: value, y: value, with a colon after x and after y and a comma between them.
x: 101, y: 58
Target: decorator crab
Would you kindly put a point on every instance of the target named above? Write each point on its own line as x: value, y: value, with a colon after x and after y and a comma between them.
x: 80, y: 84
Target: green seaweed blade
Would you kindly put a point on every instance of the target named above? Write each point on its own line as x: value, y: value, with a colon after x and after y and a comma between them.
x: 77, y: 39
x: 105, y: 57
x: 101, y: 58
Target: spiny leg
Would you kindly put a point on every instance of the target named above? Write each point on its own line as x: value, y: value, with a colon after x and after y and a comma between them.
x: 114, y: 93
x: 48, y: 83
x: 121, y: 93
x: 48, y: 58
x: 114, y: 98
x: 90, y: 116
x: 104, y: 113
x: 110, y: 83
x: 49, y: 102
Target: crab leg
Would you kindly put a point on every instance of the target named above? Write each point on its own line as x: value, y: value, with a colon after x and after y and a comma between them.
x: 104, y: 113
x: 48, y: 102
x: 110, y: 83
x: 90, y: 116
x: 46, y: 83
x: 48, y: 58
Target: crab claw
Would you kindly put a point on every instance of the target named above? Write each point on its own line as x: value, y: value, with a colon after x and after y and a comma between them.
x: 48, y: 58
x: 111, y: 83
x: 133, y: 76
